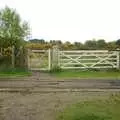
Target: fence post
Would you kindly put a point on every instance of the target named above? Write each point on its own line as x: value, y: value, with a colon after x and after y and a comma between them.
x: 118, y: 59
x: 49, y: 59
x: 55, y: 56
x: 21, y: 57
x: 13, y: 57
x: 28, y: 59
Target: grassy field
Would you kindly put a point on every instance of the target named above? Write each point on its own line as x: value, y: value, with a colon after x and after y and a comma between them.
x: 88, y: 74
x: 14, y: 73
x: 93, y: 110
x: 17, y: 74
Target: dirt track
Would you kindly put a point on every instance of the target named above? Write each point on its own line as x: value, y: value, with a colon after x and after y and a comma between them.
x: 41, y: 96
x: 44, y: 82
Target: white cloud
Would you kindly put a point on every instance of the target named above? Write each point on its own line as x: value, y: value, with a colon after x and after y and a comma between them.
x: 74, y: 20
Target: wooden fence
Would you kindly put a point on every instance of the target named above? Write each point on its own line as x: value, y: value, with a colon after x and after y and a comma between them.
x: 88, y: 59
x: 39, y: 59
x: 83, y: 59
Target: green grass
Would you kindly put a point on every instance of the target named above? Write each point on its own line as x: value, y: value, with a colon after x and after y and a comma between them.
x: 93, y: 110
x: 87, y: 74
x: 16, y: 72
x: 20, y: 74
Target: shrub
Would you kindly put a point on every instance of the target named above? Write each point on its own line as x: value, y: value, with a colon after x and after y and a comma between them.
x: 56, y: 68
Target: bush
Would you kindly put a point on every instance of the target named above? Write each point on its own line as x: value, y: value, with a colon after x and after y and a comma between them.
x: 56, y: 69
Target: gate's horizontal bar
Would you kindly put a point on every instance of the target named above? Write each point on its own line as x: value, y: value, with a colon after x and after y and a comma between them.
x: 91, y: 55
x: 109, y: 63
x: 88, y: 67
x: 87, y: 51
x: 39, y: 69
x: 80, y: 59
x: 39, y: 50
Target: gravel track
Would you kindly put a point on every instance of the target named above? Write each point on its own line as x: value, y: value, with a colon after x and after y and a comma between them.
x: 41, y: 96
x: 46, y: 82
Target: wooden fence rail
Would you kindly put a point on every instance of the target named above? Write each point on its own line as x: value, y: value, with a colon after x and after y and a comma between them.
x: 81, y: 59
x: 88, y: 59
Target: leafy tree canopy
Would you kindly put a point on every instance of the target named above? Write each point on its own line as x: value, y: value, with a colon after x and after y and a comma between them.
x: 13, y: 30
x: 41, y: 41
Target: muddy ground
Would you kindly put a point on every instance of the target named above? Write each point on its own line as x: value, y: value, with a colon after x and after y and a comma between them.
x: 42, y: 97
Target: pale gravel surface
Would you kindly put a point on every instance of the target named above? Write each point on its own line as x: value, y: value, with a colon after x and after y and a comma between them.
x: 36, y: 106
x: 41, y: 96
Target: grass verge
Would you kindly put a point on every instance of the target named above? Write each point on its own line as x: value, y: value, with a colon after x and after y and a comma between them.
x: 16, y: 72
x: 88, y: 74
x: 93, y: 110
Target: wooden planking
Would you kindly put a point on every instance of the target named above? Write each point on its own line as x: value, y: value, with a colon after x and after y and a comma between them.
x: 43, y: 69
x: 87, y: 51
x: 49, y: 59
x: 87, y: 55
x: 101, y: 57
x: 39, y: 51
x: 89, y: 59
x: 41, y: 59
x: 79, y: 59
x: 87, y: 63
x: 101, y: 67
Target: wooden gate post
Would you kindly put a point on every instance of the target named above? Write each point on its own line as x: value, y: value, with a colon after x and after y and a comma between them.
x: 28, y: 59
x: 21, y: 57
x: 118, y: 58
x: 49, y: 59
x: 13, y: 57
x: 55, y: 53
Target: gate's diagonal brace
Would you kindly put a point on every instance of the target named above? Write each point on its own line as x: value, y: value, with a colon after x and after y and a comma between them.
x: 101, y: 60
x: 76, y: 60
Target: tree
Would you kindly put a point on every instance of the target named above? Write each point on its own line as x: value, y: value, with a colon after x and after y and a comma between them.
x: 12, y: 30
x: 101, y: 44
x: 118, y: 43
x: 78, y: 46
x: 90, y: 44
x: 41, y: 41
x: 111, y: 45
x: 67, y: 46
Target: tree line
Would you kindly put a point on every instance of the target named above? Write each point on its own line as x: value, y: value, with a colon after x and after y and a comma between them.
x: 14, y: 32
x: 100, y: 44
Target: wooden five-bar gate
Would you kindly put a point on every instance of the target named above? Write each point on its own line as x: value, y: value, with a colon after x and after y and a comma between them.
x: 80, y: 59
x: 88, y: 59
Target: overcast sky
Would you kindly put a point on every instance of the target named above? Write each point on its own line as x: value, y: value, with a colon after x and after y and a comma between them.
x: 70, y: 20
